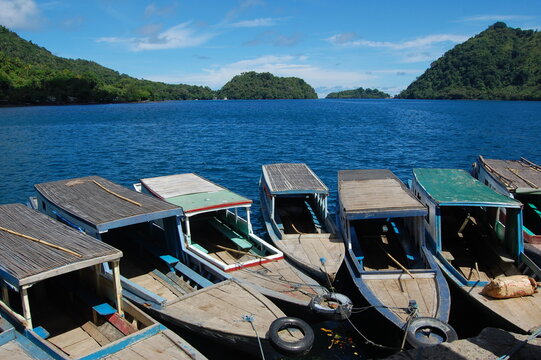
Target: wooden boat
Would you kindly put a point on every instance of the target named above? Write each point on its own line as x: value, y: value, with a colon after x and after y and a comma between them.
x: 474, y: 243
x: 220, y: 242
x: 54, y: 295
x: 521, y: 180
x: 386, y: 257
x: 146, y: 229
x: 294, y: 206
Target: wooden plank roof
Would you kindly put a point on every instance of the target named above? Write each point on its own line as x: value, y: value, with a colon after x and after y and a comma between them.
x: 292, y: 178
x: 458, y: 187
x: 104, y: 204
x: 193, y: 192
x: 376, y: 192
x: 23, y: 261
x: 514, y: 174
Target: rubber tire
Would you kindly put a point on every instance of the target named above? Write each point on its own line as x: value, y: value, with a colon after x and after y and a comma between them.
x: 295, y: 348
x: 443, y: 329
x: 342, y: 312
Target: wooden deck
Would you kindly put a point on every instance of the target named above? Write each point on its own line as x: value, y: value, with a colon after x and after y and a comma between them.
x: 13, y: 350
x: 397, y: 292
x: 280, y: 277
x: 164, y: 346
x: 524, y: 312
x: 222, y: 308
x: 289, y: 178
x: 310, y: 248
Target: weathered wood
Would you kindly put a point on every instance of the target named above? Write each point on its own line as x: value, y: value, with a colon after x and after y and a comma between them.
x: 117, y: 287
x: 513, y: 174
x: 27, y: 261
x: 86, y: 201
x: 95, y: 333
x: 292, y: 178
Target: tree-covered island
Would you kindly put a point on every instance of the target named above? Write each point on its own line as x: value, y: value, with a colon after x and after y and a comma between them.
x: 500, y: 63
x: 359, y: 93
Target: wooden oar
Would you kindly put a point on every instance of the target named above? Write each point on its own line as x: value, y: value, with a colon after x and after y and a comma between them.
x: 40, y: 241
x: 395, y: 261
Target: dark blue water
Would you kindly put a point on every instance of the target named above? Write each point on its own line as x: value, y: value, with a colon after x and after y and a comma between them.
x: 228, y: 141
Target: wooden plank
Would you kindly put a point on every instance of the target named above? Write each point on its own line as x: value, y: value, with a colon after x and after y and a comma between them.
x: 12, y: 350
x: 95, y: 333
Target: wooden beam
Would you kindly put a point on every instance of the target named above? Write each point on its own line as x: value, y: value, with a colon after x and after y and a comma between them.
x: 26, y: 307
x: 5, y: 294
x: 117, y: 287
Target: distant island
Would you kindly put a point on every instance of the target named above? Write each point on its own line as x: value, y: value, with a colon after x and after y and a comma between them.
x: 252, y: 85
x: 32, y: 75
x: 500, y: 63
x: 359, y: 93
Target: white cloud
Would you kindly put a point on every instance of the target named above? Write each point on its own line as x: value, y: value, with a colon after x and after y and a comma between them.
x: 18, y: 14
x: 262, y: 22
x: 285, y: 65
x: 496, y: 18
x: 179, y: 36
x: 422, y: 42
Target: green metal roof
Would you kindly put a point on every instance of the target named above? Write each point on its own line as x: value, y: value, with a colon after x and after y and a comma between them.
x: 458, y: 186
x: 208, y: 200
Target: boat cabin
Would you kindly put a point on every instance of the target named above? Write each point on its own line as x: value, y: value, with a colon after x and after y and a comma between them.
x: 474, y: 231
x: 146, y: 229
x: 519, y: 179
x: 296, y: 199
x: 51, y: 287
x: 215, y: 221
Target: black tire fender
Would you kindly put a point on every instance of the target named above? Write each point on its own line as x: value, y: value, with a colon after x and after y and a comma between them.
x: 342, y: 310
x: 428, y: 331
x: 291, y: 348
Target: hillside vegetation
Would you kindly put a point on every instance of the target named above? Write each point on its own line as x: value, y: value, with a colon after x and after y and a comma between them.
x: 252, y: 85
x: 499, y: 63
x: 359, y: 93
x: 30, y: 74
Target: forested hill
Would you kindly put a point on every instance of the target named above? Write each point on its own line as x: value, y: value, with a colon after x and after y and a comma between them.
x: 359, y: 93
x: 499, y: 63
x: 30, y: 74
x: 252, y: 85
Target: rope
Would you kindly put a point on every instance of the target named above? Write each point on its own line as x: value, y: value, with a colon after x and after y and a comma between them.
x: 58, y: 247
x: 415, y: 311
x: 250, y: 319
x: 370, y: 342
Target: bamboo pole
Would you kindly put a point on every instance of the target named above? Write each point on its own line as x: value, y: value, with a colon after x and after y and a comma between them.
x: 240, y: 252
x: 40, y: 241
x: 515, y: 171
x: 117, y: 195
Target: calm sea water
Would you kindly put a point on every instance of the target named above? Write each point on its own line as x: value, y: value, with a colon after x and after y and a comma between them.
x: 228, y: 141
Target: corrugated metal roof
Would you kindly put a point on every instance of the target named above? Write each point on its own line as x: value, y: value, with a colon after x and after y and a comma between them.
x: 458, y: 186
x: 375, y: 191
x: 193, y: 192
x: 22, y: 258
x: 292, y: 178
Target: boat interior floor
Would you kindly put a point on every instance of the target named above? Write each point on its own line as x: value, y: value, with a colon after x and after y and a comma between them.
x: 377, y: 244
x: 295, y: 216
x: 473, y: 249
x: 217, y: 245
x: 69, y: 321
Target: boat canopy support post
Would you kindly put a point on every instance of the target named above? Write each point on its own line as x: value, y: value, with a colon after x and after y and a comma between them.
x: 273, y: 203
x: 26, y: 307
x: 250, y: 231
x: 173, y: 235
x: 5, y: 294
x: 188, y: 232
x: 118, y: 287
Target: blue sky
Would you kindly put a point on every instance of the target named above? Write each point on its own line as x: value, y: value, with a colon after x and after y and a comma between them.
x: 333, y: 45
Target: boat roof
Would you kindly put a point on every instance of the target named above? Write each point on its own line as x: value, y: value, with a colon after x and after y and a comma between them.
x: 376, y: 193
x: 24, y: 261
x: 458, y: 187
x: 295, y: 178
x: 193, y: 192
x: 516, y: 175
x: 103, y: 204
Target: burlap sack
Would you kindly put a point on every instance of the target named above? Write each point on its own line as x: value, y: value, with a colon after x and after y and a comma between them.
x: 506, y: 287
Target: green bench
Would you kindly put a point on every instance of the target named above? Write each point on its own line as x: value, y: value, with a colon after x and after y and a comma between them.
x: 231, y: 234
